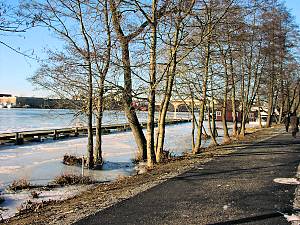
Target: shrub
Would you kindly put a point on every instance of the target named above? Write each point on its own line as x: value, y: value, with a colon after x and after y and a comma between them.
x: 34, y: 194
x: 2, y: 199
x: 72, y: 160
x: 71, y: 179
x: 19, y: 185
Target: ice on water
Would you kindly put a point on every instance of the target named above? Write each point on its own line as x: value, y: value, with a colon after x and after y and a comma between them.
x: 40, y: 163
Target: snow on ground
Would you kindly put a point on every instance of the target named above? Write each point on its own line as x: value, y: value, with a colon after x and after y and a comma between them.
x: 292, y: 181
x: 13, y: 201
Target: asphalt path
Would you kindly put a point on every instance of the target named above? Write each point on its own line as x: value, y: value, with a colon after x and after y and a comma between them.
x: 235, y: 189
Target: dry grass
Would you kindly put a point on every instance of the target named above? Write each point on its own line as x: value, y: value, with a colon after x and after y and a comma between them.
x: 71, y: 179
x: 19, y: 185
x: 30, y: 206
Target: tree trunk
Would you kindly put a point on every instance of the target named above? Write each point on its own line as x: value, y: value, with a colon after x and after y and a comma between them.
x: 151, y: 95
x: 98, y: 145
x: 211, y: 123
x: 90, y: 156
x: 193, y: 120
x: 162, y: 116
x: 270, y: 109
x: 165, y: 103
x: 226, y: 137
x: 259, y: 113
x: 100, y: 104
x: 234, y: 113
x: 127, y: 90
x: 90, y: 145
x: 197, y: 147
x: 282, y: 98
x: 270, y: 104
x: 128, y: 107
x: 243, y: 122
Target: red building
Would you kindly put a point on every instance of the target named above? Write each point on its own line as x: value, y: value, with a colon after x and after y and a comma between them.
x: 229, y: 117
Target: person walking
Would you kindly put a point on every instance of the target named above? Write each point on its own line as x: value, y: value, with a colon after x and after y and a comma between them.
x: 294, y: 122
x: 287, y: 121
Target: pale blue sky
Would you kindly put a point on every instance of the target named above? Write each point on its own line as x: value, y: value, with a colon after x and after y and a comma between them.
x: 15, y: 68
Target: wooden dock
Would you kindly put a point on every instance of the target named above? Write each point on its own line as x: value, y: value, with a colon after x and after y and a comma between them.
x: 20, y: 138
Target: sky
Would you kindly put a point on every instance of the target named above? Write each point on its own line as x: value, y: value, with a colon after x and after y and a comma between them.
x: 15, y: 69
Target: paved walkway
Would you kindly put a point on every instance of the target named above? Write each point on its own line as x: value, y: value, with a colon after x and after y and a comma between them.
x: 233, y: 189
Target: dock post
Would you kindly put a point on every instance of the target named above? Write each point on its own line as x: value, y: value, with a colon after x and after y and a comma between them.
x: 76, y: 132
x: 19, y: 139
x: 55, y: 136
x: 82, y: 166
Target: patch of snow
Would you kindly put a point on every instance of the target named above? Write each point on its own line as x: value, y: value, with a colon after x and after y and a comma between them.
x: 292, y: 218
x: 14, y: 200
x: 292, y: 181
x: 225, y: 207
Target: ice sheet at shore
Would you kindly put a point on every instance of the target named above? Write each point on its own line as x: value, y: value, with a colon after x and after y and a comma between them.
x: 40, y: 163
x: 13, y: 201
x: 16, y: 120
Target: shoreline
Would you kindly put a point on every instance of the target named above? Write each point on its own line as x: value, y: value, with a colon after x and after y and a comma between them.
x: 104, y: 195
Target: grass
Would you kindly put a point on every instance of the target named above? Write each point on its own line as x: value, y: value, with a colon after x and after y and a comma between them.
x: 72, y: 179
x: 19, y: 185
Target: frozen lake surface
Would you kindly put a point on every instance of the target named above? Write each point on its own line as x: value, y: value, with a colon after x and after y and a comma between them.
x: 13, y: 120
x: 40, y: 163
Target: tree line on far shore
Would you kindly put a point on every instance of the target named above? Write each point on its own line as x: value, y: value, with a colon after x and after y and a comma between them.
x: 241, y: 52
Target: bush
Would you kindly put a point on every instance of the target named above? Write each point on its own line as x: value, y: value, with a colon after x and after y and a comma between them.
x: 19, y: 185
x: 71, y: 179
x: 34, y: 194
x: 72, y: 160
x: 2, y: 199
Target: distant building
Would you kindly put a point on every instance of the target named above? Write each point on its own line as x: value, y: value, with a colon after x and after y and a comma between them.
x: 5, y: 95
x: 228, y: 113
x: 9, y: 101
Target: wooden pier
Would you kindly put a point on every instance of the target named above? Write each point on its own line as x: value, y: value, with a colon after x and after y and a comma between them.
x: 20, y: 138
